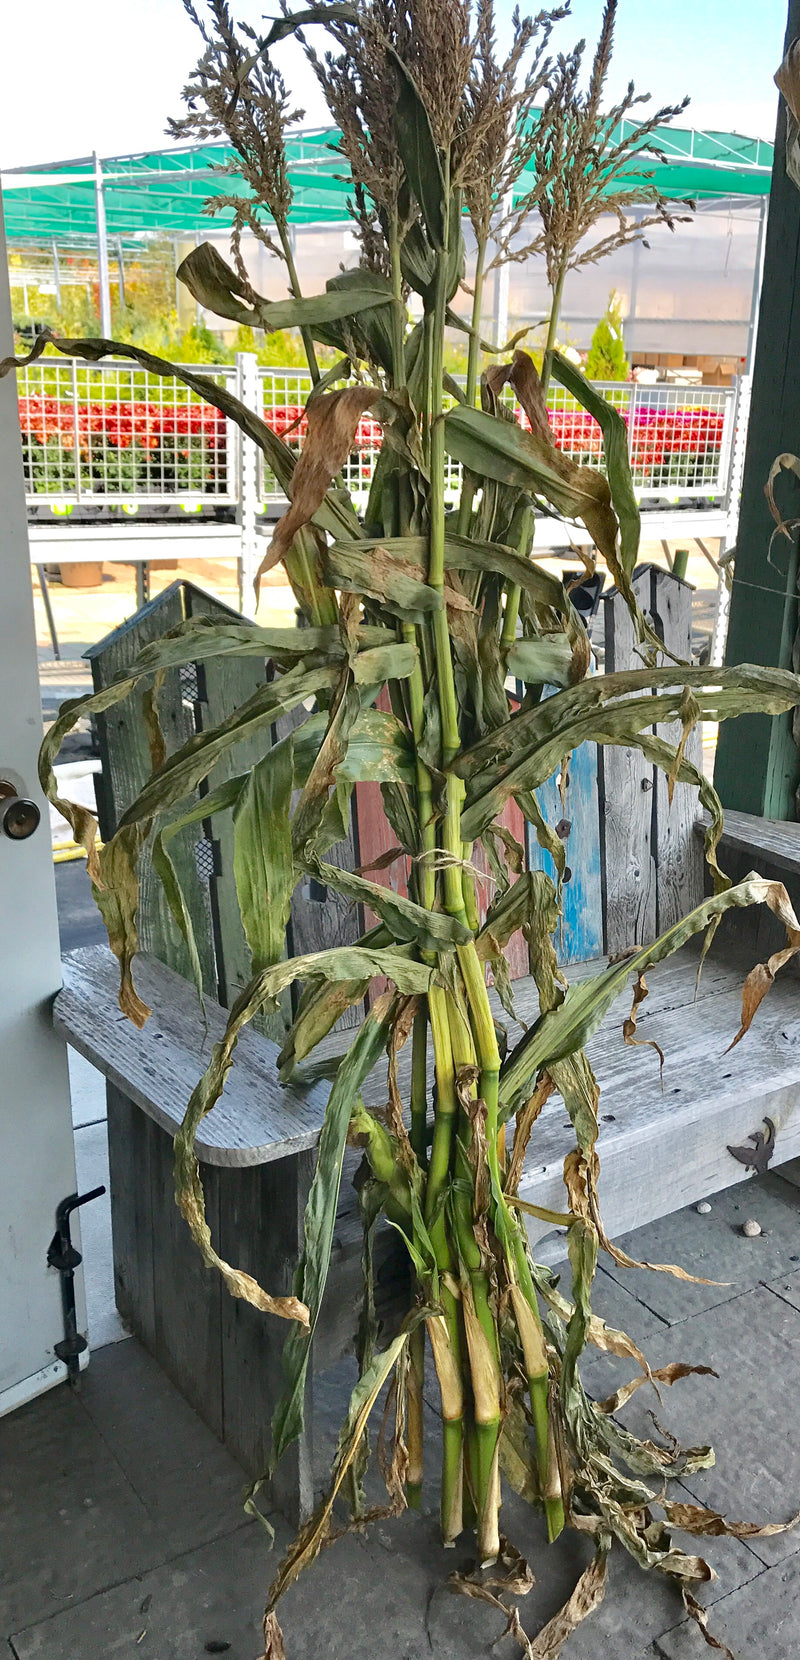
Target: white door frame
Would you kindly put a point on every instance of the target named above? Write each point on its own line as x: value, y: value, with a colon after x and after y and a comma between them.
x: 37, y: 1155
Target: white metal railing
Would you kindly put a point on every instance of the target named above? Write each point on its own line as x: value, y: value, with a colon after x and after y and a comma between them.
x: 111, y: 432
x: 680, y: 438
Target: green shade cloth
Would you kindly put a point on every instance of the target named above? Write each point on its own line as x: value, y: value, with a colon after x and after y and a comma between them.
x: 165, y: 191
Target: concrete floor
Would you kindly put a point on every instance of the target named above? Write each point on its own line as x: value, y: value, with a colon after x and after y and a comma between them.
x: 122, y: 1530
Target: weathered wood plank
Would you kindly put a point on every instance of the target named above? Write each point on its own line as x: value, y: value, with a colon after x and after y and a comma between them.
x: 188, y: 1295
x: 765, y: 840
x: 256, y: 1120
x: 626, y: 802
x: 576, y: 816
x: 261, y: 1230
x: 131, y: 1214
x: 126, y: 767
x: 662, y: 1150
x: 678, y: 857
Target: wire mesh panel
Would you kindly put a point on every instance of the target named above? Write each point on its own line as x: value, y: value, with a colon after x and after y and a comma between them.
x: 284, y: 394
x: 679, y: 439
x: 111, y: 430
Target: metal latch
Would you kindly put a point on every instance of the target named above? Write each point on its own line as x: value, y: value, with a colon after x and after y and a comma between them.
x: 63, y: 1256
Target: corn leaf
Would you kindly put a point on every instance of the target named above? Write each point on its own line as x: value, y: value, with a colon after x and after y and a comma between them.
x: 215, y: 285
x: 499, y: 449
x: 431, y: 930
x: 309, y: 1542
x: 521, y: 755
x: 378, y: 749
x: 312, y: 1273
x: 615, y: 449
x: 564, y: 1031
x: 262, y: 854
x: 419, y: 154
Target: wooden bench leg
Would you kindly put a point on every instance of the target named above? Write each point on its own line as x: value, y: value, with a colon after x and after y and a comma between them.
x: 222, y: 1354
x: 261, y: 1213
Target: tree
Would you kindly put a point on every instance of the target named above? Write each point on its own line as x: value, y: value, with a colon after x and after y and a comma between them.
x: 607, y: 360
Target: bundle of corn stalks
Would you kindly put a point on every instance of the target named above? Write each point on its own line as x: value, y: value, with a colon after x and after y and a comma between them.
x: 445, y: 609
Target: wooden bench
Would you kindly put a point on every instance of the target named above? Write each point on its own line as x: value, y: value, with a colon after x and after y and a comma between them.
x: 636, y: 866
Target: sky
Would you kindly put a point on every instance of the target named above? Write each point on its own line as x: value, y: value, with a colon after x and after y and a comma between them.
x: 104, y: 75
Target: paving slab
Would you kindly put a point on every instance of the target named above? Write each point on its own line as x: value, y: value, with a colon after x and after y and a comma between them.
x: 639, y: 1607
x: 71, y: 1522
x: 759, y: 1622
x: 753, y: 1342
x: 714, y: 1248
x: 211, y: 1595
x: 787, y: 1287
x: 190, y: 1485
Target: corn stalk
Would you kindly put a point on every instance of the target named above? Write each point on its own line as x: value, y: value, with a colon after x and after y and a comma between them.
x: 439, y: 607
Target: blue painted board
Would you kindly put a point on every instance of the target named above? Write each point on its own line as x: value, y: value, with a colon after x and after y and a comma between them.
x: 580, y: 934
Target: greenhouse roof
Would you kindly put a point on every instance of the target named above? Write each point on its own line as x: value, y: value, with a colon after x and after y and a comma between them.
x: 165, y: 190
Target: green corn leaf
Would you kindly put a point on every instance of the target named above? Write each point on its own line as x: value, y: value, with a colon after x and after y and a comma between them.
x: 262, y: 854
x: 530, y: 747
x: 389, y: 570
x: 430, y: 930
x: 312, y: 1274
x: 615, y: 447
x: 365, y: 326
x: 563, y: 1031
x: 225, y: 796
x: 502, y: 450
x: 215, y: 285
x: 190, y: 764
x: 419, y: 154
x: 395, y: 662
x: 463, y: 553
x: 378, y: 750
x: 114, y: 870
x: 541, y: 662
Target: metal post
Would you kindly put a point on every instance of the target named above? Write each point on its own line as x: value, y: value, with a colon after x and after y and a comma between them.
x: 247, y: 390
x: 57, y: 273
x: 501, y: 287
x: 76, y: 431
x: 102, y: 249
x: 121, y: 270
x: 758, y: 277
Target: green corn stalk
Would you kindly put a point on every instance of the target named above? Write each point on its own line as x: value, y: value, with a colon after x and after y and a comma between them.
x: 430, y: 605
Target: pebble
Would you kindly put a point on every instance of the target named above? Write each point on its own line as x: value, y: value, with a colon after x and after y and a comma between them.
x: 751, y: 1229
x: 704, y: 1208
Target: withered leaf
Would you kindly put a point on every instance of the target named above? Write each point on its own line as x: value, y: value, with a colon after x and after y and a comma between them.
x: 693, y: 1518
x: 587, y: 1595
x: 331, y: 428
x: 761, y: 977
x: 640, y: 992
x: 273, y: 1638
x: 699, y: 1614
x: 663, y: 1374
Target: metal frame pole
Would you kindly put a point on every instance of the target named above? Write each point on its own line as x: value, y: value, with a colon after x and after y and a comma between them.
x: 57, y: 273
x: 102, y: 249
x: 248, y: 391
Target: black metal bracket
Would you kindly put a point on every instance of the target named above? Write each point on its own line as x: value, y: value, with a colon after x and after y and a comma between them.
x: 63, y: 1256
